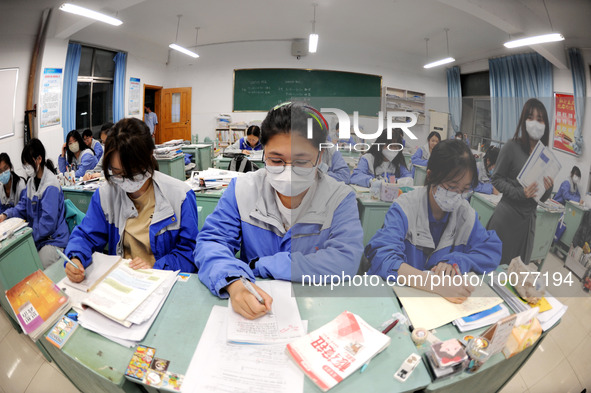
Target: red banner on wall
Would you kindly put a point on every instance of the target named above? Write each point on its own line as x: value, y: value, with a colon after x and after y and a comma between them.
x: 564, y: 123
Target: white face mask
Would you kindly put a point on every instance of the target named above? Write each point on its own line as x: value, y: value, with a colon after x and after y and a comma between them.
x: 447, y: 200
x: 74, y: 147
x: 389, y: 154
x: 289, y: 183
x: 29, y: 170
x: 131, y: 186
x: 535, y: 129
x: 576, y: 179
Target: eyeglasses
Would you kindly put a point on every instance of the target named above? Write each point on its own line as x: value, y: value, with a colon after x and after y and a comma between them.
x: 277, y: 165
x: 118, y: 178
x: 465, y: 193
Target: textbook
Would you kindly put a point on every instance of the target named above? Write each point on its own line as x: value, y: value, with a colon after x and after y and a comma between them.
x: 37, y: 303
x: 331, y: 353
x: 61, y: 331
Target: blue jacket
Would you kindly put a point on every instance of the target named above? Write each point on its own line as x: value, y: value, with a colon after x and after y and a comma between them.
x: 364, y: 171
x: 173, y: 229
x: 86, y: 162
x: 421, y: 156
x: 334, y: 165
x: 98, y: 149
x: 564, y: 194
x: 44, y: 210
x: 15, y: 197
x: 326, y: 239
x: 406, y: 238
x: 484, y: 184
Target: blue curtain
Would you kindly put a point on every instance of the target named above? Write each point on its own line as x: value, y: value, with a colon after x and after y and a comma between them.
x: 119, y: 87
x: 70, y: 88
x: 577, y: 66
x: 454, y: 96
x: 514, y: 80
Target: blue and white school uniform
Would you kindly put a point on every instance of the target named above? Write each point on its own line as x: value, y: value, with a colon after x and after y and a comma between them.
x: 6, y: 202
x: 97, y: 148
x: 413, y: 236
x: 364, y: 172
x: 85, y: 162
x: 326, y: 236
x: 484, y: 184
x: 173, y: 228
x: 242, y: 144
x: 568, y: 191
x: 334, y: 165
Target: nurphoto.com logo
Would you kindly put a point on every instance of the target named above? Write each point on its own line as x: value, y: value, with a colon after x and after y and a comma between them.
x: 345, y: 130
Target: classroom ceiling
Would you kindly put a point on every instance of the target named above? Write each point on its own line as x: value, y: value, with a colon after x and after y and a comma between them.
x: 478, y: 28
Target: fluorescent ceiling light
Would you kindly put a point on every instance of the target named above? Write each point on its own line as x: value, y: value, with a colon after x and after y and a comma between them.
x: 440, y: 62
x: 313, y: 43
x: 74, y: 9
x: 183, y: 50
x: 538, y: 39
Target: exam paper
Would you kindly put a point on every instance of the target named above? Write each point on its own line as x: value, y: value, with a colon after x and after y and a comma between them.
x: 429, y: 311
x: 541, y: 162
x: 101, y: 264
x: 218, y: 366
x: 280, y: 326
x: 124, y: 289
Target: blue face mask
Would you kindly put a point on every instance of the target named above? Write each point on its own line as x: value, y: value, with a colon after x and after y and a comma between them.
x: 5, y: 177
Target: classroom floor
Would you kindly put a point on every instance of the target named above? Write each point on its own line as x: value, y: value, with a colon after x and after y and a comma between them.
x: 560, y: 364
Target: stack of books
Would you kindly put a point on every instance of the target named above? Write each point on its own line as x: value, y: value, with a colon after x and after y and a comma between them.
x: 37, y: 303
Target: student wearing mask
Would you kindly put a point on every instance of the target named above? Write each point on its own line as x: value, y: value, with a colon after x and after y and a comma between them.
x: 288, y: 220
x: 76, y: 155
x: 485, y: 170
x: 12, y: 186
x: 434, y: 230
x: 383, y: 160
x: 422, y: 154
x: 140, y: 213
x: 249, y: 143
x: 42, y: 204
x: 569, y: 189
x: 92, y: 143
x: 514, y: 218
x: 98, y: 169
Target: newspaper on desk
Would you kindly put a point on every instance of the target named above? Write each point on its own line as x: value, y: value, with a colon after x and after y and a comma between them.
x: 541, y: 163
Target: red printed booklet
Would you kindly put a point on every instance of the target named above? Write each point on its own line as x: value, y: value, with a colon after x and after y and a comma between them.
x: 336, y: 350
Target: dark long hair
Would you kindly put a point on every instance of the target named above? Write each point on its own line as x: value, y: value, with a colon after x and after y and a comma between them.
x: 376, y: 150
x: 491, y: 155
x: 521, y: 134
x: 450, y: 159
x: 81, y: 145
x: 15, y: 178
x: 132, y: 140
x: 34, y: 149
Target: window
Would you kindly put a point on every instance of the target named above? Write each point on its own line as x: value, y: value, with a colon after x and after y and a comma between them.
x: 476, y: 108
x: 94, y: 97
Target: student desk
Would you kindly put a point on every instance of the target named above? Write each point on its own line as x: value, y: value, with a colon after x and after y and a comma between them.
x: 207, y: 201
x: 546, y: 222
x: 372, y: 213
x: 223, y: 162
x: 572, y: 219
x: 174, y: 167
x: 420, y: 175
x: 201, y: 154
x: 95, y: 364
x: 18, y: 259
x: 80, y: 197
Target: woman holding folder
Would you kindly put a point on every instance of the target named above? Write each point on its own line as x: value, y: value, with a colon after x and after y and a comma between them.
x: 514, y: 218
x: 140, y: 213
x: 289, y: 221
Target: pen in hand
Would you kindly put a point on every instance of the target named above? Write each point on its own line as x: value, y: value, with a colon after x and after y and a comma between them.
x: 61, y: 254
x: 251, y: 289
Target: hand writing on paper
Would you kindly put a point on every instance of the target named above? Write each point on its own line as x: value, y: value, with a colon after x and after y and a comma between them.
x: 443, y: 269
x: 548, y: 182
x: 244, y: 302
x: 530, y: 191
x: 75, y: 275
x: 454, y: 293
x: 139, y: 263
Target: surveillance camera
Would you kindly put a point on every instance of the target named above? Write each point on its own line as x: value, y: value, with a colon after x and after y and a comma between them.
x: 298, y: 57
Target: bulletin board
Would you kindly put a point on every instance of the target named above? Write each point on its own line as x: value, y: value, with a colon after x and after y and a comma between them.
x: 9, y: 82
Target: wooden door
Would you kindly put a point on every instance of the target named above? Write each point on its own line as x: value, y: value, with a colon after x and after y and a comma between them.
x: 176, y: 115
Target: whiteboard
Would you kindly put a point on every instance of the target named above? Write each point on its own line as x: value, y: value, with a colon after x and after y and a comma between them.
x: 8, y: 84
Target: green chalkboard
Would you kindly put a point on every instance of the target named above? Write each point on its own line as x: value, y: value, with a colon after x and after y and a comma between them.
x: 263, y: 88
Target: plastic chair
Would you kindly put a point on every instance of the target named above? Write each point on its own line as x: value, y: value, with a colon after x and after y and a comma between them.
x: 73, y: 215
